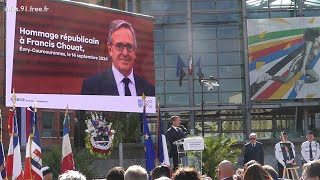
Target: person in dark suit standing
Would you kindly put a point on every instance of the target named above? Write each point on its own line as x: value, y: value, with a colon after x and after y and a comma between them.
x: 225, y: 170
x: 120, y: 79
x: 174, y: 133
x: 253, y: 150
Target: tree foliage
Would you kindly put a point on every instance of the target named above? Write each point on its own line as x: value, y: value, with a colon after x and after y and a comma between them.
x: 82, y: 159
x: 217, y: 149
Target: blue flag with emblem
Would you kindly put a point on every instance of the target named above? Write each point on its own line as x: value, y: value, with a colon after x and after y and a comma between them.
x: 149, y: 151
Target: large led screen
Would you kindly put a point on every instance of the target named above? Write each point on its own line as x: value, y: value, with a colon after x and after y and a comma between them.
x: 284, y: 58
x: 86, y: 57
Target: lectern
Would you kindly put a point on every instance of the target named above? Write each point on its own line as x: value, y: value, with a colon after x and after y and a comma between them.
x: 194, y: 147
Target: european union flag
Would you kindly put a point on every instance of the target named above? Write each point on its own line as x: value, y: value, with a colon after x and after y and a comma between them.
x: 149, y: 151
x: 179, y: 71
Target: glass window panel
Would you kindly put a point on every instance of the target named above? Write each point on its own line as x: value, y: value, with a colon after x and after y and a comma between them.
x: 208, y: 126
x: 264, y: 135
x: 231, y: 85
x: 230, y: 58
x: 159, y: 73
x: 206, y: 59
x: 159, y: 87
x: 158, y: 60
x: 204, y: 46
x: 228, y: 4
x: 232, y: 125
x: 177, y: 99
x: 258, y: 15
x: 210, y: 71
x: 204, y: 33
x: 238, y: 136
x: 257, y: 4
x: 283, y: 14
x: 210, y: 97
x: 170, y: 6
x: 229, y: 32
x: 311, y: 3
x: 174, y: 19
x: 230, y: 17
x: 203, y: 18
x: 158, y: 19
x: 232, y: 97
x: 176, y: 34
x: 282, y: 123
x: 230, y: 71
x: 170, y: 74
x: 228, y: 45
x: 152, y: 6
x: 173, y: 87
x: 162, y: 100
x: 176, y: 47
x: 282, y: 4
x: 158, y: 48
x: 158, y: 35
x: 47, y: 124
x: 172, y: 59
x: 311, y: 13
x: 203, y: 5
x: 265, y: 124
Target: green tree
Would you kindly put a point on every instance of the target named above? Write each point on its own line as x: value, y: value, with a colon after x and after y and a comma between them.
x: 82, y: 160
x: 216, y: 150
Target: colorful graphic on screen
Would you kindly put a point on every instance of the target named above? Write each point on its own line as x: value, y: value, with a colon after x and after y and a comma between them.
x: 284, y: 58
x: 85, y: 56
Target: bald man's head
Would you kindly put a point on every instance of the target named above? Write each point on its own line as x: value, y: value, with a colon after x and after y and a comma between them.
x: 225, y: 169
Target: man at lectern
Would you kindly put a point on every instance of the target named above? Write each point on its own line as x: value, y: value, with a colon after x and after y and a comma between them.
x: 175, y: 133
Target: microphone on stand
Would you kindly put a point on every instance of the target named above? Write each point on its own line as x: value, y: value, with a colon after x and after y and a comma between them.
x: 183, y: 128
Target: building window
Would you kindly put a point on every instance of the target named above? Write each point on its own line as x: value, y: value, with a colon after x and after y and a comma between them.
x: 47, y: 124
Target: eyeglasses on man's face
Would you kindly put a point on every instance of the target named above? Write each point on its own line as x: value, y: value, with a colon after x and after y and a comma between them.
x: 120, y: 47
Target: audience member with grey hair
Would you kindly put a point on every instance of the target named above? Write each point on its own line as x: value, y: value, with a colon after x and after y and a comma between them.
x: 136, y: 172
x: 72, y: 175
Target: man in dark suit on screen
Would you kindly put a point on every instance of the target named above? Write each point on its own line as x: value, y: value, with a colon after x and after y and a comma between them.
x: 253, y: 150
x: 120, y: 79
x: 174, y: 133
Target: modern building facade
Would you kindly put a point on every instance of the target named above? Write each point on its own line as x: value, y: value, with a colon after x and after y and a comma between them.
x: 214, y: 32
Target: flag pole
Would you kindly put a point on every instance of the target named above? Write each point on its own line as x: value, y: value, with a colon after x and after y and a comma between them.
x: 13, y: 99
x: 157, y: 132
x: 66, y: 114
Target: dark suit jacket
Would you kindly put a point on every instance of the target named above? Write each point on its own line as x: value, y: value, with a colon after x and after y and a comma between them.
x: 253, y: 153
x: 105, y: 84
x: 172, y: 135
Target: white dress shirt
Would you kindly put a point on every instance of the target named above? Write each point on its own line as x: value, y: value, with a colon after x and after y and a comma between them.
x: 120, y: 85
x: 279, y: 155
x: 305, y: 150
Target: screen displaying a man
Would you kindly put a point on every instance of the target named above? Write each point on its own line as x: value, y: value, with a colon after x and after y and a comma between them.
x: 174, y: 133
x: 120, y: 79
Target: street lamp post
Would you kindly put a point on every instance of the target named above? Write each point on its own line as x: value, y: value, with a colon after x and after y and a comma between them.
x: 210, y: 83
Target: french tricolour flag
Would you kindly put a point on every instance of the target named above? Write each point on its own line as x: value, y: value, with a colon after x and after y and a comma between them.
x: 13, y: 164
x: 33, y: 161
x: 67, y: 156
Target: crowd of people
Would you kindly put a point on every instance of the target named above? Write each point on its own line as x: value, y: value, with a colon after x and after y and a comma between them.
x: 252, y: 170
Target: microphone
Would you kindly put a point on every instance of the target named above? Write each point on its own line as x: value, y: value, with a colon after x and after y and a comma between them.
x: 183, y: 128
